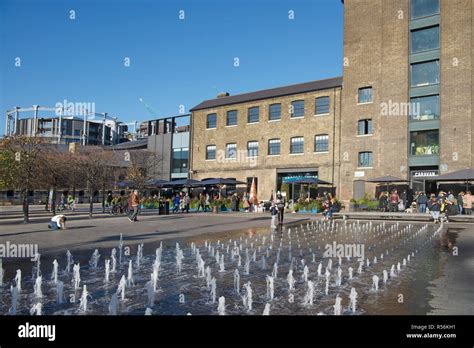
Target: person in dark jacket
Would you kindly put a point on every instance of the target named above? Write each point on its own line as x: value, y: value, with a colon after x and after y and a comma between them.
x: 451, y: 207
x: 383, y: 202
x: 234, y: 202
x: 421, y: 201
x: 280, y: 203
x: 459, y: 201
x: 435, y: 207
x: 404, y: 197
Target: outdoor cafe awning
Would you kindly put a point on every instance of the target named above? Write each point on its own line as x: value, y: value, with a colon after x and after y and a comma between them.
x: 386, y: 180
x: 311, y: 181
x: 464, y: 176
x: 123, y: 184
x: 460, y: 175
x: 221, y: 181
x: 156, y: 182
x: 181, y: 183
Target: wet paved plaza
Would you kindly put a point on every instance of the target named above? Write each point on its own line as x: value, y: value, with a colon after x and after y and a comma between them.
x: 238, y: 260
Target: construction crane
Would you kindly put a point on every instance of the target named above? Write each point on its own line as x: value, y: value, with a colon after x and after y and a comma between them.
x: 150, y: 110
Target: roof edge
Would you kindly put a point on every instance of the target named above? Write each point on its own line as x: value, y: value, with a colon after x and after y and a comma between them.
x: 200, y: 106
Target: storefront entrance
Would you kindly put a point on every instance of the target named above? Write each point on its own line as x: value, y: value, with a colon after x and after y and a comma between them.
x: 423, y: 179
x: 285, y: 184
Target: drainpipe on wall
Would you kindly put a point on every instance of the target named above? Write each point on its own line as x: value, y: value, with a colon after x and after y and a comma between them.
x: 191, y: 147
x: 333, y: 141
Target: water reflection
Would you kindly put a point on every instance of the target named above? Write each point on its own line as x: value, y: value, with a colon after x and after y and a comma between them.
x: 280, y: 272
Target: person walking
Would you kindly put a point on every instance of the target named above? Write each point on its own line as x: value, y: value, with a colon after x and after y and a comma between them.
x: 71, y: 202
x: 280, y: 203
x: 186, y: 202
x: 274, y: 213
x: 467, y: 203
x: 108, y: 202
x: 421, y: 201
x: 176, y: 202
x: 202, y: 202
x: 460, y: 199
x: 404, y: 198
x: 435, y: 207
x: 134, y: 202
x: 207, y: 203
x: 383, y: 202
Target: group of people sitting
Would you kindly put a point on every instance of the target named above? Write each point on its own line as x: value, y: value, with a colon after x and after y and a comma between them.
x: 446, y: 203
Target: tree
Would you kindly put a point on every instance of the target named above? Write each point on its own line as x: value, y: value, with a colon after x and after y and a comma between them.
x: 142, y: 167
x: 54, y: 171
x: 20, y: 165
x: 95, y: 164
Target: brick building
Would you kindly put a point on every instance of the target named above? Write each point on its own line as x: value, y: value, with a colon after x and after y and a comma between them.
x: 409, y: 71
x: 275, y: 135
x: 403, y: 107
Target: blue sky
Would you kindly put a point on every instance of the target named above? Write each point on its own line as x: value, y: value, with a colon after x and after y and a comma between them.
x: 173, y: 62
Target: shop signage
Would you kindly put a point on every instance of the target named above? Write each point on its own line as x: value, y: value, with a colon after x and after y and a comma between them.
x: 424, y: 173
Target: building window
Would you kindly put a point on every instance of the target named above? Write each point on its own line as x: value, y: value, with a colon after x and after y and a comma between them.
x: 365, y: 95
x: 231, y: 118
x: 424, y: 8
x: 274, y: 112
x: 322, y: 106
x: 274, y: 147
x: 180, y: 160
x: 321, y: 143
x: 211, y: 152
x: 425, y: 39
x: 425, y: 108
x: 297, y: 145
x: 297, y: 108
x: 364, y: 127
x: 365, y: 159
x: 424, y: 143
x: 252, y: 149
x: 253, y: 114
x: 231, y: 151
x: 211, y: 121
x: 423, y: 74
